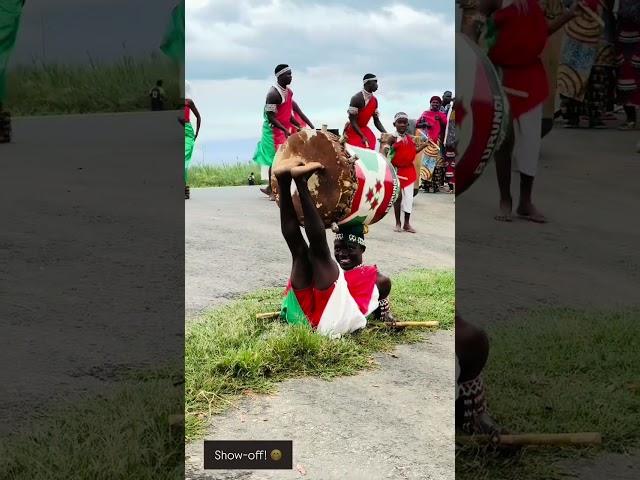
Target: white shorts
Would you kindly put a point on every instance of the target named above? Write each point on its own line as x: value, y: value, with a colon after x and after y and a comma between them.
x: 264, y: 172
x: 342, y: 314
x: 407, y: 199
x: 526, y: 149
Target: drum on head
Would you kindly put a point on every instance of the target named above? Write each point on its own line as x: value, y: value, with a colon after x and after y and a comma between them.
x: 357, y: 185
x: 482, y: 113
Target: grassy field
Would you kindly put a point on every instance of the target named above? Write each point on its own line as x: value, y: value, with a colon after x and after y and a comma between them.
x: 228, y: 352
x: 234, y: 175
x: 561, y: 371
x: 123, y: 86
x: 119, y: 435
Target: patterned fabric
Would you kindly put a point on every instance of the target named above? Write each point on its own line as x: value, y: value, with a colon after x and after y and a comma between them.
x: 472, y: 398
x: 628, y: 59
x: 597, y: 95
x: 586, y: 45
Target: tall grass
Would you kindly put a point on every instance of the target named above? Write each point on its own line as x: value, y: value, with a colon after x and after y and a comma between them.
x: 233, y: 175
x: 121, y: 86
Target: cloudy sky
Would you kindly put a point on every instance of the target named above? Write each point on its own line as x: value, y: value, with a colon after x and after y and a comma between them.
x: 234, y: 45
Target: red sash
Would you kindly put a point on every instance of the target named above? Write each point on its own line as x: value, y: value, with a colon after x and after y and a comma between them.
x: 403, y: 154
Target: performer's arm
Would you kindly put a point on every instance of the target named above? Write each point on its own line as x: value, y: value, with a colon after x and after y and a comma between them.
x: 377, y: 122
x: 422, y: 147
x: 195, y: 111
x: 304, y: 118
x: 273, y: 100
x: 561, y: 20
x: 356, y: 104
x: 384, y: 289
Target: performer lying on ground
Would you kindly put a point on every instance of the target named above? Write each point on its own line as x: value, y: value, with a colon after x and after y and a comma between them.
x: 333, y: 295
x: 402, y: 152
x: 472, y: 351
x: 10, y: 13
x: 362, y: 108
x: 189, y: 138
x: 279, y: 122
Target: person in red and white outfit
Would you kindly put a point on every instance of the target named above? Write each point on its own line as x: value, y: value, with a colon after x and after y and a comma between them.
x: 402, y: 152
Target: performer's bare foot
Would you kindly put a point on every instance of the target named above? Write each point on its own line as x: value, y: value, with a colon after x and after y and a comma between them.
x: 408, y: 228
x: 506, y: 208
x: 306, y: 170
x: 531, y: 213
x: 285, y: 167
x: 266, y: 191
x: 398, y: 228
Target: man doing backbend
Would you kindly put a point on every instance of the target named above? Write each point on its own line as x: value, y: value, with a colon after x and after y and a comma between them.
x: 334, y: 295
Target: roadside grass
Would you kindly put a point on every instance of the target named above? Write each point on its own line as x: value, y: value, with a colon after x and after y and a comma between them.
x: 121, y: 86
x: 560, y: 371
x: 232, y: 175
x: 123, y: 433
x: 228, y: 352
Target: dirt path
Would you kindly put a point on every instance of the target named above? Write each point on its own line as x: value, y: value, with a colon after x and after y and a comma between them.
x: 587, y: 256
x: 395, y: 422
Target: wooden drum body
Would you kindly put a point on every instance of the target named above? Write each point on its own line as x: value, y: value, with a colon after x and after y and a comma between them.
x: 356, y: 186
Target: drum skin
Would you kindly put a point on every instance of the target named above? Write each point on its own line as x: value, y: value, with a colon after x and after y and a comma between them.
x: 356, y: 186
x: 482, y: 113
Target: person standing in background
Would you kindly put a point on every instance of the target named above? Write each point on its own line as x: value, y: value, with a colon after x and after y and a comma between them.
x: 279, y: 123
x: 627, y: 54
x: 362, y: 108
x: 587, y: 71
x: 10, y: 15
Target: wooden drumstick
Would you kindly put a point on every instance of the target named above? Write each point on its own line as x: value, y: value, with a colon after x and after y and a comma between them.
x: 515, y: 93
x: 402, y: 178
x: 325, y: 128
x: 553, y: 439
x: 594, y: 16
x: 406, y: 324
x: 265, y: 316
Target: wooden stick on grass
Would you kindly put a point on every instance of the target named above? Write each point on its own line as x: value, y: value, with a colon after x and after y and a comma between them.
x: 552, y: 439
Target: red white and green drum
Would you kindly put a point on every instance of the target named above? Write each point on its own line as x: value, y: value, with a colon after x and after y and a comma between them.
x: 482, y: 113
x: 357, y: 185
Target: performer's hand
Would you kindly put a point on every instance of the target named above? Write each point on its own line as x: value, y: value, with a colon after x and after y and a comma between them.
x: 287, y: 133
x: 365, y: 141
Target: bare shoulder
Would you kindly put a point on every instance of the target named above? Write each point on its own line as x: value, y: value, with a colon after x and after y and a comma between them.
x: 273, y: 96
x: 357, y: 100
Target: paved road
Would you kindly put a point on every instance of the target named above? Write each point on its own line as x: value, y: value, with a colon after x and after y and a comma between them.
x: 236, y: 231
x: 369, y: 427
x: 90, y: 255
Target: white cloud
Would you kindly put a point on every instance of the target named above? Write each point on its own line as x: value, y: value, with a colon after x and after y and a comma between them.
x: 233, y: 47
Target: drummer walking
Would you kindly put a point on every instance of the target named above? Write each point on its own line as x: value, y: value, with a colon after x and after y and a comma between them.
x: 362, y: 108
x: 279, y: 121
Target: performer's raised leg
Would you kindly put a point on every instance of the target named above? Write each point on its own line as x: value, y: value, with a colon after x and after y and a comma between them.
x: 301, y: 268
x: 325, y: 269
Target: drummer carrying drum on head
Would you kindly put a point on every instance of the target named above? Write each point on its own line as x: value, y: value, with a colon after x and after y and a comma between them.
x: 332, y: 293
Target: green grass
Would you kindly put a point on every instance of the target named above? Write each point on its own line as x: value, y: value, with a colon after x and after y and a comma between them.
x: 561, y: 371
x: 122, y: 434
x: 228, y: 352
x: 203, y: 176
x: 122, y: 86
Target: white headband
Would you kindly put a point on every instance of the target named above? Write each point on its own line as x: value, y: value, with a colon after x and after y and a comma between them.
x: 283, y: 71
x: 400, y: 115
x: 367, y: 80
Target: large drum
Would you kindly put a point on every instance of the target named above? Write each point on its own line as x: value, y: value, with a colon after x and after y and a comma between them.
x: 357, y: 185
x: 482, y: 113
